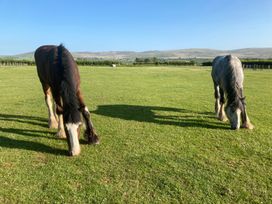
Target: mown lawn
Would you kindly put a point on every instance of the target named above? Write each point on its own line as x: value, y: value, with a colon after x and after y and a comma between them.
x: 160, y: 142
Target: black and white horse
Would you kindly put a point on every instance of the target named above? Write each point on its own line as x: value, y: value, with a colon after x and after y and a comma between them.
x: 228, y: 77
x: 59, y: 76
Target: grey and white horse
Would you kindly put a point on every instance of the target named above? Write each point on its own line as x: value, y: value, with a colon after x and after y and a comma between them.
x: 228, y: 77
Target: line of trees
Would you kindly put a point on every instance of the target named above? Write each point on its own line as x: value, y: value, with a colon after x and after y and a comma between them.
x: 87, y: 62
x: 82, y: 62
x: 157, y: 61
x: 152, y: 61
x: 102, y: 62
x: 16, y: 62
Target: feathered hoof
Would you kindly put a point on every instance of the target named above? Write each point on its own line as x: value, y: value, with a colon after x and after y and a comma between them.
x: 222, y: 118
x: 91, y: 138
x: 74, y: 152
x: 52, y: 124
x: 248, y: 125
x: 61, y: 134
x: 234, y: 127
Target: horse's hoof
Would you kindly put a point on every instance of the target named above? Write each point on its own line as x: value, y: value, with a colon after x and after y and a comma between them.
x: 74, y: 153
x: 91, y: 138
x: 234, y: 128
x: 61, y: 134
x: 96, y: 141
x: 248, y: 125
x: 223, y: 118
x: 53, y: 124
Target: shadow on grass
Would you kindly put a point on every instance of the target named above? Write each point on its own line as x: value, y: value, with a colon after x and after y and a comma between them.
x: 30, y: 145
x: 26, y: 132
x: 23, y: 144
x: 32, y: 120
x: 155, y: 114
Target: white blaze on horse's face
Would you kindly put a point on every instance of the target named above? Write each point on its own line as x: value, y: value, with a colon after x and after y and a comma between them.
x: 72, y: 129
x: 234, y: 118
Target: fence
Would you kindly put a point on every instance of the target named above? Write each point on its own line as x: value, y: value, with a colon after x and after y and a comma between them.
x: 250, y: 64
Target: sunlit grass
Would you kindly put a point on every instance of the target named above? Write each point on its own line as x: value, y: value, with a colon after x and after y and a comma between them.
x: 160, y: 142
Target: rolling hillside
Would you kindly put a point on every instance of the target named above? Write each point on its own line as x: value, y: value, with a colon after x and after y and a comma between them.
x: 181, y: 53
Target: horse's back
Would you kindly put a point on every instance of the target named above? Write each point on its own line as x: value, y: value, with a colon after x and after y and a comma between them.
x: 42, y: 54
x: 225, y: 68
x: 237, y: 70
x: 44, y: 58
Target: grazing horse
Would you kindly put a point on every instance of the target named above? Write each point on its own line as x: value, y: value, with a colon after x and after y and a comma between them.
x: 59, y: 76
x: 227, y: 74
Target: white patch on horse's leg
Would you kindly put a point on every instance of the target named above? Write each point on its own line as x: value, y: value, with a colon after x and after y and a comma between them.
x: 73, y: 138
x: 222, y: 115
x: 55, y: 111
x: 61, y: 131
x: 86, y: 109
x: 89, y: 133
x: 52, y: 122
x: 84, y: 123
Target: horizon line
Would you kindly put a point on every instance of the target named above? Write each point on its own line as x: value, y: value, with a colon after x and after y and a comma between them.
x: 155, y: 50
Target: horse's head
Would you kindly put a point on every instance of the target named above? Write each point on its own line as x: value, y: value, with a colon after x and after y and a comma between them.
x: 73, y: 130
x: 234, y: 116
x: 234, y: 112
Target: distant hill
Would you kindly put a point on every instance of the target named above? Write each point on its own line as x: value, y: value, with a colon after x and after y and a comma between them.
x: 263, y: 53
x: 28, y: 55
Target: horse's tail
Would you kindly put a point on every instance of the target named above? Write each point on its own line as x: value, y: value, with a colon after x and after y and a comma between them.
x: 68, y: 85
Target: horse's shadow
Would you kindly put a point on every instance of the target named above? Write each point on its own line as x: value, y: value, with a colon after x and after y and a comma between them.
x: 32, y: 120
x: 160, y: 115
x: 30, y: 145
x: 12, y: 143
x: 151, y: 114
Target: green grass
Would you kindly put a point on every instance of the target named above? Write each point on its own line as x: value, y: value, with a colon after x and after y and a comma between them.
x: 160, y: 142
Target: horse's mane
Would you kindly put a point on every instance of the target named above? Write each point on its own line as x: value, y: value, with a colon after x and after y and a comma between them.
x: 234, y: 92
x: 68, y: 70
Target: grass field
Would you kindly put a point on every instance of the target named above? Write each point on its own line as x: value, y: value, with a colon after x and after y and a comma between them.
x: 160, y: 142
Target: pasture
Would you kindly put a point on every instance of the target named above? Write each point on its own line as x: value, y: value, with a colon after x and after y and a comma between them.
x: 160, y: 141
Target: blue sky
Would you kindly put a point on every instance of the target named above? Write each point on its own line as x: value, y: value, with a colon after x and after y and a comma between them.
x: 134, y: 25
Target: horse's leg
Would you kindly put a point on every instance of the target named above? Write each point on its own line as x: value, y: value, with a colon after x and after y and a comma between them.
x: 52, y: 122
x: 90, y: 133
x: 217, y: 104
x: 61, y: 131
x: 222, y: 114
x: 245, y: 120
